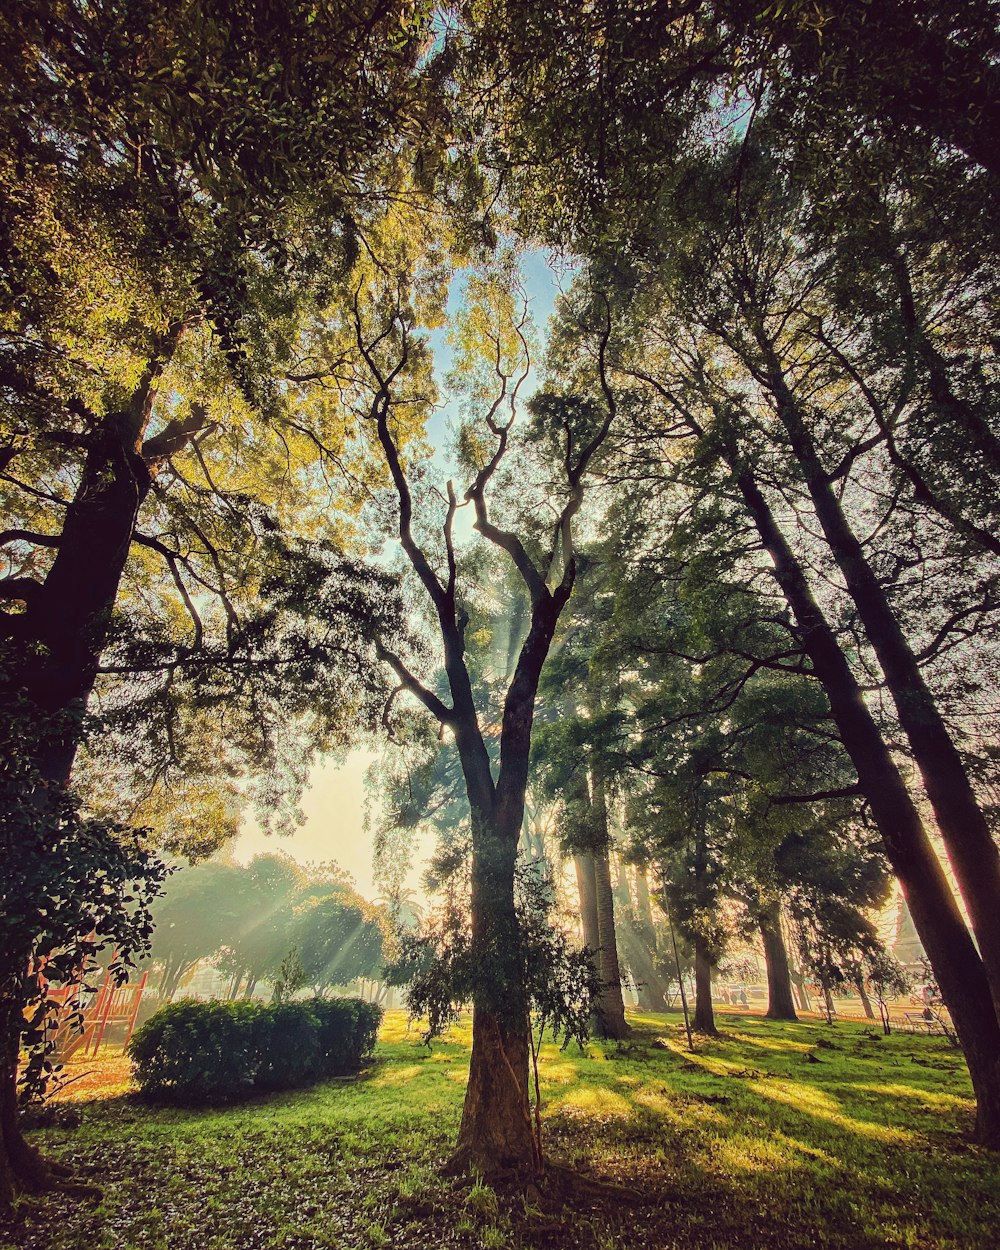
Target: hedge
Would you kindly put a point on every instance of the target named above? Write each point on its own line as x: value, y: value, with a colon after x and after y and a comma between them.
x: 193, y: 1051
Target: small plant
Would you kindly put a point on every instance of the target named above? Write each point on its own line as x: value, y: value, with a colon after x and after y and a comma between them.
x: 493, y: 1238
x: 376, y: 1234
x: 482, y: 1200
x: 291, y: 977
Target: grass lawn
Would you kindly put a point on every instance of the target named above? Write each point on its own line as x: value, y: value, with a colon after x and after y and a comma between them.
x: 772, y: 1135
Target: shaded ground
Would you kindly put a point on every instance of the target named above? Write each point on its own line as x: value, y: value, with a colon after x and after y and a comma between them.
x: 773, y: 1135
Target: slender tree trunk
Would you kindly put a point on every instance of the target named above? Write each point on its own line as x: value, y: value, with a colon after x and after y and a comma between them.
x: 866, y: 1002
x: 704, y: 1012
x: 967, y: 837
x: 780, y: 1004
x: 650, y: 985
x: 611, y: 1006
x: 938, y: 921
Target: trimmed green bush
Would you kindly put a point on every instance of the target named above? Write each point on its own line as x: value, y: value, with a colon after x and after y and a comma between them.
x: 288, y: 1045
x: 193, y: 1051
x: 347, y: 1027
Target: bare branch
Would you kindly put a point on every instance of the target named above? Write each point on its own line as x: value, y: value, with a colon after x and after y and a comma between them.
x: 29, y: 536
x: 176, y: 435
x: 24, y: 588
x: 414, y: 685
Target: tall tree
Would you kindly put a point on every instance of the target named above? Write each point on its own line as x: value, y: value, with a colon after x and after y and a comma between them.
x: 162, y: 171
x: 390, y: 381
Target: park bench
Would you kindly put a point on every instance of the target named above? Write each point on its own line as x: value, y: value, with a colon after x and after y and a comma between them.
x: 924, y: 1022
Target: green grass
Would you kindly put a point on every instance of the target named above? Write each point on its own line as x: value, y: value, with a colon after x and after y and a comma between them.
x: 747, y: 1143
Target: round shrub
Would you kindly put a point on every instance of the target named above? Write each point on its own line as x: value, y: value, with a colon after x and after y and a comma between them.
x: 197, y: 1050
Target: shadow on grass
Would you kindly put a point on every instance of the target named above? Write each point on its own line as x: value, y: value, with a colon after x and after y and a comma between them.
x: 771, y: 1136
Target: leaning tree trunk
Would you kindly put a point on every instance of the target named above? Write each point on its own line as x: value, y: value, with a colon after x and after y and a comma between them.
x: 780, y: 1003
x: 936, y: 916
x: 704, y: 1012
x: 866, y: 1002
x: 611, y: 1006
x: 966, y: 833
x: 62, y: 633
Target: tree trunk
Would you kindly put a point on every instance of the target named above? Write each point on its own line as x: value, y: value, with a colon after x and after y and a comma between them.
x: 611, y: 1006
x: 780, y: 1004
x: 966, y: 834
x: 938, y: 921
x: 22, y: 1168
x: 496, y: 1132
x: 866, y: 1002
x: 62, y: 633
x: 586, y: 883
x: 704, y: 1012
x: 650, y: 985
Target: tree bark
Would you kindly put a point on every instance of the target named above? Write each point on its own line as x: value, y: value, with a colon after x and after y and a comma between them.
x: 496, y: 1133
x: 964, y: 829
x: 611, y: 1006
x: 937, y: 919
x: 61, y: 634
x: 780, y: 1004
x: 704, y: 1012
x: 586, y: 884
x: 866, y: 1002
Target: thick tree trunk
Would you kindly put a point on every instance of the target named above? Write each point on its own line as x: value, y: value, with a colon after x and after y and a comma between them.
x: 495, y: 1134
x: 62, y: 633
x: 611, y: 1006
x: 22, y: 1168
x: 938, y: 921
x: 704, y: 1012
x: 966, y: 834
x: 496, y: 1129
x: 586, y: 884
x: 780, y: 1004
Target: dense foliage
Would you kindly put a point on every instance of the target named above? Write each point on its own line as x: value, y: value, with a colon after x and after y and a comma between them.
x: 193, y: 1051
